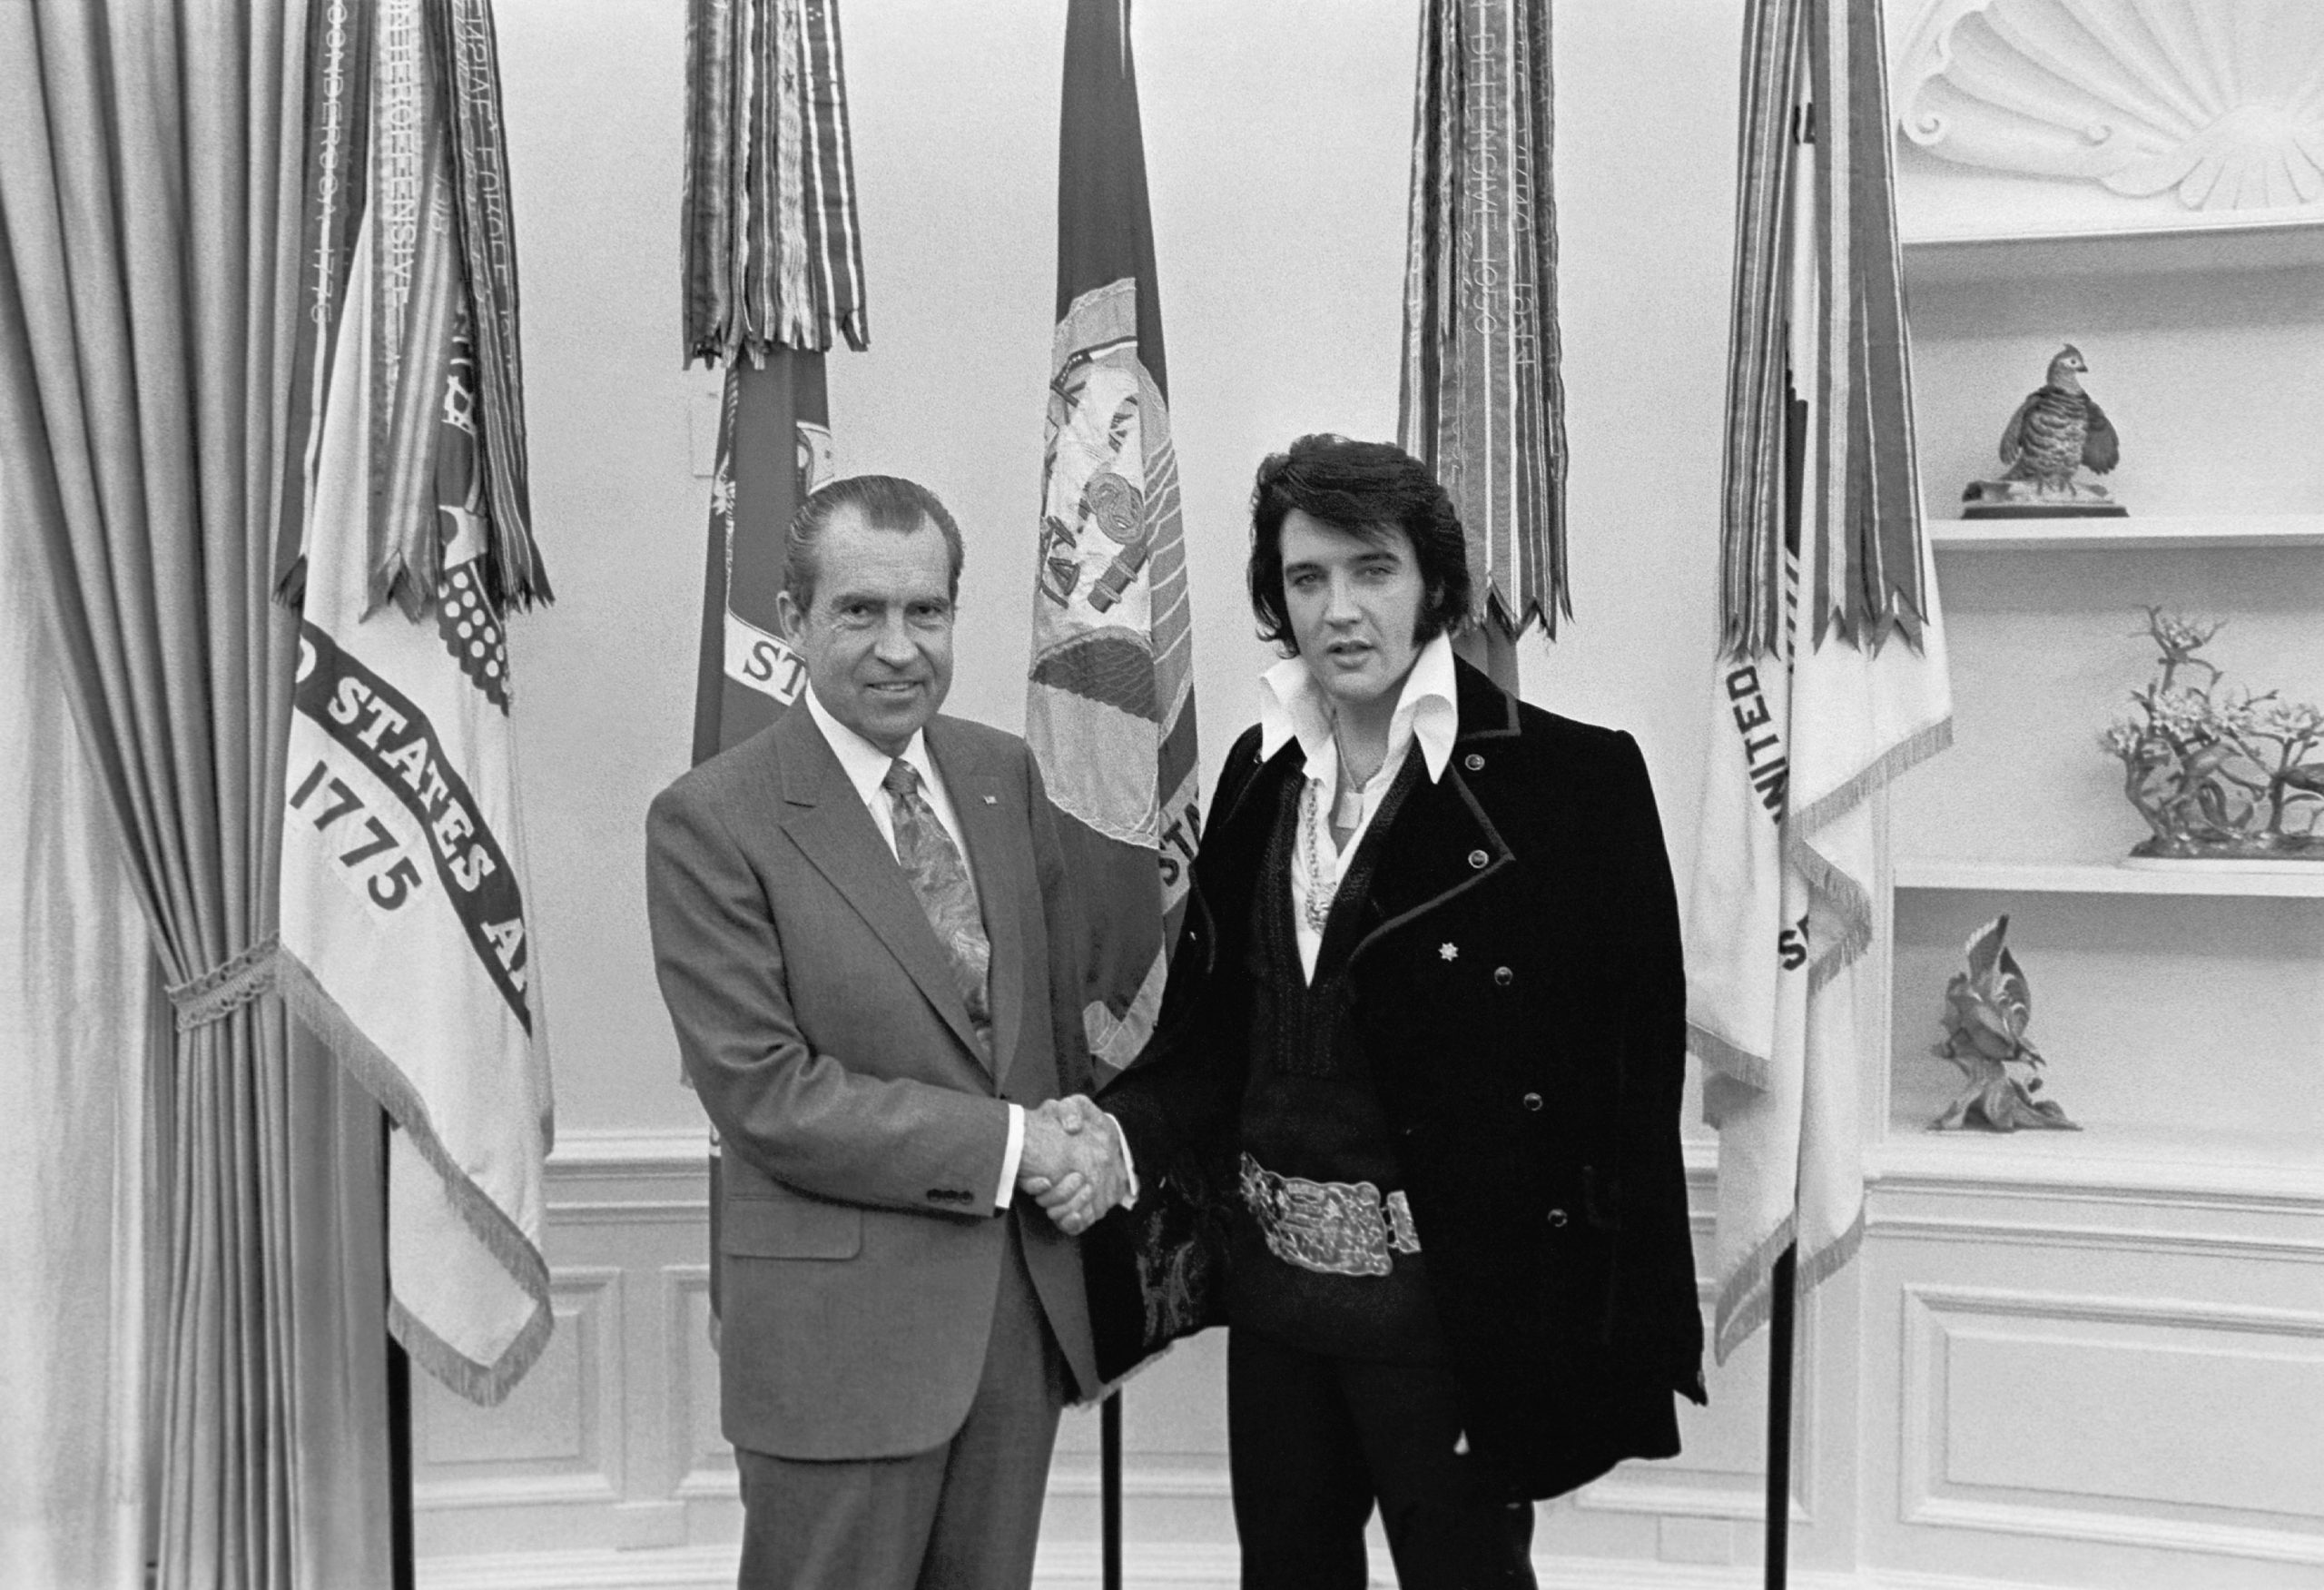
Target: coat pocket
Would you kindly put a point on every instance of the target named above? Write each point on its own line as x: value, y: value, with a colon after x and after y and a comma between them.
x: 786, y: 1225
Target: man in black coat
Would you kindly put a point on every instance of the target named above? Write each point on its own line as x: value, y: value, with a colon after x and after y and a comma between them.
x: 1410, y: 1121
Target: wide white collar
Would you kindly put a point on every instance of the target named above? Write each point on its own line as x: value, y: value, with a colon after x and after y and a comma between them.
x: 1292, y: 706
x: 865, y: 762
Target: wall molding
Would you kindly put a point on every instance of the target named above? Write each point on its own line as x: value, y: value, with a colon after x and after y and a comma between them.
x: 2172, y: 1534
x: 2138, y: 1240
x: 588, y: 1302
x: 1923, y: 1434
x: 702, y: 1477
x: 665, y: 1150
x: 2018, y: 1176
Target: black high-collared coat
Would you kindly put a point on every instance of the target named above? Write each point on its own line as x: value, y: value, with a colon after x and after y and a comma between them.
x: 1519, y: 989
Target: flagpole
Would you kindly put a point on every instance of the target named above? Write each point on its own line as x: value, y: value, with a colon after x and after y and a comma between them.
x: 402, y: 1561
x: 1780, y: 1376
x: 403, y: 1566
x: 1109, y: 1488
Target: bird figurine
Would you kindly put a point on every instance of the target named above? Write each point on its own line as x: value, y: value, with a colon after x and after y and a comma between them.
x: 2057, y: 431
x: 1987, y: 1007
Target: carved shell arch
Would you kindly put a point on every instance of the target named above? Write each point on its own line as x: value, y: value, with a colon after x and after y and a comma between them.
x: 2222, y: 101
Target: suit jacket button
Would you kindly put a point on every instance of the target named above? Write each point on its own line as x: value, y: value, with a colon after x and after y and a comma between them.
x: 1532, y: 1101
x: 1503, y: 977
x: 1474, y: 762
x: 1556, y: 1217
x: 1477, y: 858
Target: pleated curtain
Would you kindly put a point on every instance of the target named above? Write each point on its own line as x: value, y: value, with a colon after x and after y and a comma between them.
x: 149, y: 175
x: 74, y: 1170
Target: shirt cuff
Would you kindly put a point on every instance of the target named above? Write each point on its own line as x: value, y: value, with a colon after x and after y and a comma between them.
x: 1129, y: 1166
x: 1009, y: 1158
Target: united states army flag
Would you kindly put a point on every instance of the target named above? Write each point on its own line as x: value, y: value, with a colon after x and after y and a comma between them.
x: 406, y: 930
x: 1832, y: 680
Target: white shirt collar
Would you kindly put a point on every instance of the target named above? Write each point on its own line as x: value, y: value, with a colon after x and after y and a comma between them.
x: 1292, y: 706
x: 865, y: 762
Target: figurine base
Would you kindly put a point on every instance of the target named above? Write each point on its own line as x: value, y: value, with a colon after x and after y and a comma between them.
x: 2043, y: 511
x: 2027, y: 499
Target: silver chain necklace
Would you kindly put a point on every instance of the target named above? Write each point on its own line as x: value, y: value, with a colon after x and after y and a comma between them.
x: 1318, y: 906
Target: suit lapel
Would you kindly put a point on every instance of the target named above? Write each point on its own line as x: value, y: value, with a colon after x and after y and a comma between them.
x: 826, y: 820
x: 993, y: 824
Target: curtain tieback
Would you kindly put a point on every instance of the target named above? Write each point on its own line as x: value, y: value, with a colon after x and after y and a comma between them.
x: 217, y: 993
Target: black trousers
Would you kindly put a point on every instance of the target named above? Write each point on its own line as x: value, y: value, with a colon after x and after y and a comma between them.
x: 1315, y: 1442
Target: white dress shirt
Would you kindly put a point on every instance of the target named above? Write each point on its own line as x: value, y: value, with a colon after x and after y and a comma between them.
x: 1292, y: 706
x: 865, y: 766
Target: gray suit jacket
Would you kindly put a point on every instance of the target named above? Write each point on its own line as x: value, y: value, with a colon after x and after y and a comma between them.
x: 864, y: 1133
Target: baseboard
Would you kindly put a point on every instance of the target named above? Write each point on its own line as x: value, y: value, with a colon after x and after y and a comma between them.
x: 694, y: 1567
x: 1077, y: 1565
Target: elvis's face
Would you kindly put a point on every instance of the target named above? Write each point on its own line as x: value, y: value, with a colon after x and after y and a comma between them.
x: 1354, y: 602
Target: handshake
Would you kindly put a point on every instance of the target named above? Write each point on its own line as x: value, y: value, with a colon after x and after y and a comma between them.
x: 1073, y: 1163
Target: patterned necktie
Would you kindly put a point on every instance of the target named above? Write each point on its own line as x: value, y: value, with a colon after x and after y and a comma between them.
x: 947, y: 893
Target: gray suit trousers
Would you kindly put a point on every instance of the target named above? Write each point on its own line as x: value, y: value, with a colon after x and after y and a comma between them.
x: 964, y: 1516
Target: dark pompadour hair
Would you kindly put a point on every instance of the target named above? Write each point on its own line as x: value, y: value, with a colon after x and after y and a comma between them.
x: 887, y: 502
x: 1361, y: 488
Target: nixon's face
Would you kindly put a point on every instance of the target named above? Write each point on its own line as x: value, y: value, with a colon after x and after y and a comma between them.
x: 1354, y: 603
x: 877, y: 637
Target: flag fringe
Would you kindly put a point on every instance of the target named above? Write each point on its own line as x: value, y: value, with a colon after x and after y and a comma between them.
x: 1840, y: 893
x: 486, y: 1385
x: 1905, y: 755
x: 1747, y: 1299
x: 1726, y: 1058
x: 305, y: 997
x: 1819, y: 1266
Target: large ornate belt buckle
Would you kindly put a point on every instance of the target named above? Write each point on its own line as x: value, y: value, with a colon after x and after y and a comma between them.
x: 1333, y: 1228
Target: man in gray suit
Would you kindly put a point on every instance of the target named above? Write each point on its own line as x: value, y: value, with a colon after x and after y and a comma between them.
x: 858, y: 920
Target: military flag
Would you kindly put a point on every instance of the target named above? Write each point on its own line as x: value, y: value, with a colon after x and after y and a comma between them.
x: 1480, y: 401
x: 1109, y: 706
x: 772, y: 275
x: 1814, y: 711
x: 406, y: 935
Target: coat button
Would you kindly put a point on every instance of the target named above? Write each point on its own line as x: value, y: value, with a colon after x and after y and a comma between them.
x: 1503, y: 977
x: 1557, y: 1218
x: 1477, y: 858
x: 1474, y: 762
x: 1532, y: 1101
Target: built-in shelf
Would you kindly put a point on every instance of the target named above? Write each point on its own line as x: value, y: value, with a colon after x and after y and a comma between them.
x: 2207, y: 532
x: 2282, y: 245
x: 2100, y: 878
x: 2146, y: 1159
